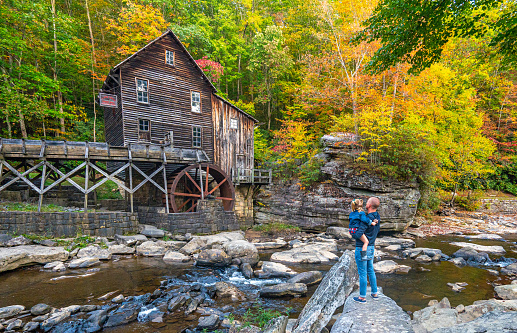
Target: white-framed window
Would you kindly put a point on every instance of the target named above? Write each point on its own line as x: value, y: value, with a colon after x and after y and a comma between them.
x: 169, y: 57
x: 195, y: 101
x: 142, y: 91
x: 234, y: 123
x: 196, y: 137
x: 144, y: 130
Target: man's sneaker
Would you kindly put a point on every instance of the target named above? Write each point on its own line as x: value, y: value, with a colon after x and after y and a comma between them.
x: 357, y: 299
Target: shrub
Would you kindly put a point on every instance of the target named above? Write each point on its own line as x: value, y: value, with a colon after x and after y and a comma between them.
x: 469, y: 200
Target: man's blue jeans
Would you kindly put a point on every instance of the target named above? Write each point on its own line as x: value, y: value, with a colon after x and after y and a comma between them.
x: 365, y: 270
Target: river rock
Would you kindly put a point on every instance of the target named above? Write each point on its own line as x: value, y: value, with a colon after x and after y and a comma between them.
x: 389, y: 267
x: 491, y: 322
x: 508, y: 291
x: 151, y: 231
x: 10, y: 311
x: 276, y: 244
x: 394, y: 247
x: 172, y: 256
x: 151, y: 249
x: 4, y: 238
x: 460, y: 262
x: 118, y: 299
x: 176, y: 302
x: 436, y: 316
x: 330, y: 294
x: 478, y: 308
x: 471, y: 256
x: 95, y: 321
x: 307, y: 278
x: 306, y: 254
x: 246, y: 270
x: 338, y: 233
x: 486, y: 236
x: 31, y: 326
x: 424, y: 258
x: 94, y: 251
x: 121, y: 249
x: 14, y: 325
x: 276, y: 325
x: 57, y: 317
x: 510, y: 269
x: 172, y: 245
x: 243, y: 250
x: 213, y: 257
x: 457, y: 287
x: 284, y: 289
x: 223, y: 237
x: 130, y: 240
x: 381, y: 315
x: 40, y: 309
x: 208, y: 323
x: 195, y: 245
x: 413, y: 253
x: 17, y: 241
x: 228, y: 290
x: 84, y: 262
x: 271, y: 269
x: 55, y: 266
x: 14, y: 257
x: 493, y: 249
x: 387, y: 241
x: 123, y: 315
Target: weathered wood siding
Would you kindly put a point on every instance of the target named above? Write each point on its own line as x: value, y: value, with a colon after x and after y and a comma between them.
x: 169, y: 105
x: 113, y: 129
x: 233, y: 147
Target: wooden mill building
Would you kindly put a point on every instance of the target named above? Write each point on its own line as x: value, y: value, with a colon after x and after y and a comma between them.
x: 160, y: 96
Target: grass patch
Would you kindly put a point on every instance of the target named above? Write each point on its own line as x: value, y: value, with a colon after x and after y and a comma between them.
x: 258, y: 316
x: 26, y: 207
x: 275, y: 227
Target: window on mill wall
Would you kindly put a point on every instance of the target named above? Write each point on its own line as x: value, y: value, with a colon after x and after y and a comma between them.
x: 142, y: 91
x: 195, y: 101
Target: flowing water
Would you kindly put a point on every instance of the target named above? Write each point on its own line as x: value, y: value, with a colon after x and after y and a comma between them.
x: 138, y: 275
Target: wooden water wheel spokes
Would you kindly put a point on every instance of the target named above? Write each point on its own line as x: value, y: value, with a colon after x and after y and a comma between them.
x: 198, y: 181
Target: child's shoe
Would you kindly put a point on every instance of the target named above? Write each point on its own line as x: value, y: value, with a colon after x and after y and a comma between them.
x: 364, y: 257
x: 375, y: 296
x: 357, y: 299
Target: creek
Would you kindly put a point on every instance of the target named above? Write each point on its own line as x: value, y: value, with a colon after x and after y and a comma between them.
x: 138, y: 275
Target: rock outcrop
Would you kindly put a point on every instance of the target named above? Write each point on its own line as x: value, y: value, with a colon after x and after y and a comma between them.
x: 328, y: 203
x: 382, y: 315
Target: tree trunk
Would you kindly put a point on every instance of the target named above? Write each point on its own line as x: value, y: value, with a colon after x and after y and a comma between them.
x: 22, y: 123
x: 239, y: 79
x: 59, y: 94
x: 93, y: 77
x: 9, y: 130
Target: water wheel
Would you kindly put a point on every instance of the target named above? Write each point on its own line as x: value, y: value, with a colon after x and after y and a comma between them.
x: 188, y: 186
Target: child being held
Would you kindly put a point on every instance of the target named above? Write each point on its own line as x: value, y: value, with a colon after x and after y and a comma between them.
x: 358, y: 224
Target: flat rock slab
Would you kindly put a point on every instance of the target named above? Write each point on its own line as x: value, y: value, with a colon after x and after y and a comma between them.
x: 307, y: 254
x: 494, y: 249
x: 387, y: 241
x: 491, y: 322
x: 284, y: 289
x: 486, y: 236
x: 390, y: 266
x: 382, y: 315
x: 508, y: 291
x: 277, y: 244
x: 14, y: 257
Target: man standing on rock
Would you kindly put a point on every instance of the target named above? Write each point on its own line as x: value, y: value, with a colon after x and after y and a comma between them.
x: 365, y: 267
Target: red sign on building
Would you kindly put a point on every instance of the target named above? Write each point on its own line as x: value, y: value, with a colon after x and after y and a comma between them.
x: 108, y: 100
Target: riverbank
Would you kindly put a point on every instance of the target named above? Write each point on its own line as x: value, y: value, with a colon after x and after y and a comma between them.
x: 263, y: 267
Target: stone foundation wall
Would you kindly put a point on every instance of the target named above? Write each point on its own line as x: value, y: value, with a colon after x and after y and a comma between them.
x: 105, y: 224
x: 210, y: 218
x: 244, y: 205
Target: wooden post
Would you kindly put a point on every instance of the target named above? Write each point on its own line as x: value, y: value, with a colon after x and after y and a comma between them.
x: 86, y: 178
x: 164, y: 161
x: 131, y: 185
x: 201, y: 181
x: 94, y: 180
x: 42, y: 187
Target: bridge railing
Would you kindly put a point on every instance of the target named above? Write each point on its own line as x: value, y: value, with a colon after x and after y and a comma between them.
x: 252, y: 176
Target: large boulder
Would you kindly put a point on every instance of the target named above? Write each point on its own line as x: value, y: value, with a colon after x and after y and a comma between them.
x: 151, y: 231
x: 195, y: 245
x: 208, y: 323
x: 276, y: 325
x: 123, y: 315
x: 271, y: 269
x: 83, y: 262
x: 276, y: 244
x: 471, y: 256
x: 307, y: 254
x: 491, y: 322
x: 223, y: 237
x: 436, y: 316
x: 121, y: 249
x: 283, y: 290
x: 228, y: 290
x: 213, y: 257
x: 381, y: 315
x: 14, y: 257
x: 413, y: 253
x: 338, y: 232
x: 243, y: 250
x: 94, y: 251
x: 479, y: 308
x: 151, y: 249
x: 510, y: 269
x: 493, y: 249
x: 172, y: 256
x: 387, y: 241
x: 130, y: 240
x: 330, y: 294
x: 17, y: 241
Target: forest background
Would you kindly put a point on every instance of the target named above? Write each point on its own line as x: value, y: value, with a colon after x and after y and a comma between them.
x: 304, y: 68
